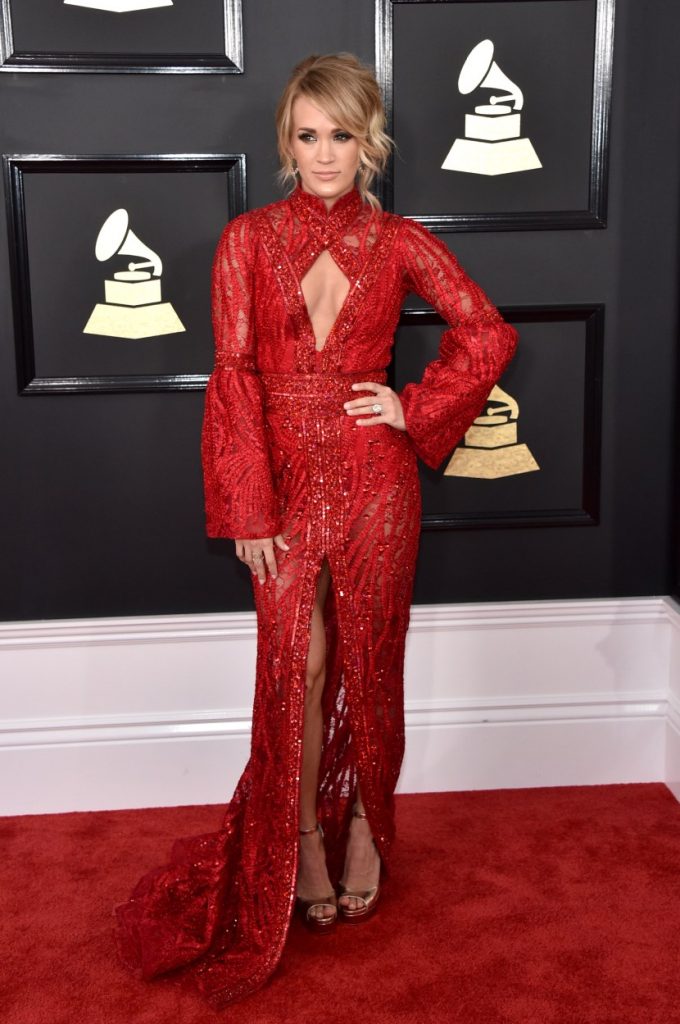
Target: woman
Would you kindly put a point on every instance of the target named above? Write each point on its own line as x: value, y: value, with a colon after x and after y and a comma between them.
x: 310, y: 466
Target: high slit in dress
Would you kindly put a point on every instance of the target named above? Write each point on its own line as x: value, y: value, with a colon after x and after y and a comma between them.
x: 281, y: 455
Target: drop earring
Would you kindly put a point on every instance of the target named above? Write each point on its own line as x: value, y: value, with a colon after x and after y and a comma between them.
x: 294, y: 165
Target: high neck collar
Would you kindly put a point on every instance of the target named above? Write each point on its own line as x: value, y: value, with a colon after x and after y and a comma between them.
x: 343, y: 210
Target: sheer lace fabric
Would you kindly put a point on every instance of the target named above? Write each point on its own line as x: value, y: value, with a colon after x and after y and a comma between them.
x: 280, y: 454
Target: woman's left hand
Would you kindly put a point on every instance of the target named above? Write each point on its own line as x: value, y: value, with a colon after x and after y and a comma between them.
x: 391, y: 409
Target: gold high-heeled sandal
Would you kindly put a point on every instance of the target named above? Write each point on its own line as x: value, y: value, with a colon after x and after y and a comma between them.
x: 369, y: 897
x: 318, y: 925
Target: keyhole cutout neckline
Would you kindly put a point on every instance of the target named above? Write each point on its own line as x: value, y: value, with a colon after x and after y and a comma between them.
x: 324, y: 294
x: 329, y: 226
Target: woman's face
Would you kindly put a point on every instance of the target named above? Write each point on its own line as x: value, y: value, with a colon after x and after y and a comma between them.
x: 327, y: 155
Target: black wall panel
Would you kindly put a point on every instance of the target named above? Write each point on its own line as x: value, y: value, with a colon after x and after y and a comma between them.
x: 101, y: 510
x: 675, y: 453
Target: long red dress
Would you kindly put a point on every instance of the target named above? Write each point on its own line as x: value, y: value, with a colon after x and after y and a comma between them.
x: 280, y: 454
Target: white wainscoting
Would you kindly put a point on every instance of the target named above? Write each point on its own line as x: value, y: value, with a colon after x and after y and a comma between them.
x: 102, y: 714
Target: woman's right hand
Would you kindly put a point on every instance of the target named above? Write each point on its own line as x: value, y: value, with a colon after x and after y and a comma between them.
x: 258, y: 554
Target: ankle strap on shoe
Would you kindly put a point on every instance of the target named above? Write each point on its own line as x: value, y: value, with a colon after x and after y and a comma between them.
x: 359, y: 814
x: 314, y: 828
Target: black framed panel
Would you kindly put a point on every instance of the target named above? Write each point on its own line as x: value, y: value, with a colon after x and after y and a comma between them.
x: 110, y: 260
x: 675, y: 454
x: 499, y: 109
x: 139, y: 36
x: 532, y: 458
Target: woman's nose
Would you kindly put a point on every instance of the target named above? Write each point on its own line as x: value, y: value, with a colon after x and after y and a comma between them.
x: 325, y: 150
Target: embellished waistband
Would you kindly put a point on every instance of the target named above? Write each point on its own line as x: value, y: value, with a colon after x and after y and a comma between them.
x: 316, y: 393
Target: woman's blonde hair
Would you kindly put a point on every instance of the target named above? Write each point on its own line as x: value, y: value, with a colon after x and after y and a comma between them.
x: 348, y: 93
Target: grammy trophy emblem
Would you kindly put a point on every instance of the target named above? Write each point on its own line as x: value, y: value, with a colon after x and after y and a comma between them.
x: 490, y: 449
x: 492, y: 143
x: 119, y: 6
x: 132, y: 306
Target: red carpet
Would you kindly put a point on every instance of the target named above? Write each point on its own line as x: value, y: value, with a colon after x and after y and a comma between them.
x: 553, y: 906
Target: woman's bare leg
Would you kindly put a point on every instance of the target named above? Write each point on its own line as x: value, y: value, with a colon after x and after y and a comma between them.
x: 362, y: 860
x: 313, y: 877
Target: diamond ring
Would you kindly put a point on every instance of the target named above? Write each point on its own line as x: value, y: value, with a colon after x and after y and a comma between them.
x: 376, y: 407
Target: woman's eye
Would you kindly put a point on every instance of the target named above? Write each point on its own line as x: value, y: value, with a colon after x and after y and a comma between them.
x: 339, y: 137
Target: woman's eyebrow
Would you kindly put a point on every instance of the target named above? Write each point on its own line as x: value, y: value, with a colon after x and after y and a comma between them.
x: 314, y: 130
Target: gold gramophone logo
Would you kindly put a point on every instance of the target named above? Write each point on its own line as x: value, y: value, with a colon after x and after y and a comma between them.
x: 132, y: 306
x: 492, y: 143
x: 119, y: 6
x: 490, y: 448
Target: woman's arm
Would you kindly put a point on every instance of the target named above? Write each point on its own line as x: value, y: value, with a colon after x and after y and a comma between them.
x: 473, y: 352
x: 239, y: 495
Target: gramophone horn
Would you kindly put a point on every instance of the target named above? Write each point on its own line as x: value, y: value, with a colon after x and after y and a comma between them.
x: 116, y: 237
x: 480, y: 69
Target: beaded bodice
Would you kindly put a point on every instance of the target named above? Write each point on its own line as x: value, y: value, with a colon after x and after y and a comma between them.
x: 262, y: 326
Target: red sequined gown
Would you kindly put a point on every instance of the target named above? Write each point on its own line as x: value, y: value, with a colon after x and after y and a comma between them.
x: 280, y: 454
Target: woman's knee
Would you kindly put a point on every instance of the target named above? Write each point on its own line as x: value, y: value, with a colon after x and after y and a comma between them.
x: 315, y: 674
x: 314, y: 689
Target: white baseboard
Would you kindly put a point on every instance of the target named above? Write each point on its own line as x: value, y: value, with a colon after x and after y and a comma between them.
x: 155, y: 711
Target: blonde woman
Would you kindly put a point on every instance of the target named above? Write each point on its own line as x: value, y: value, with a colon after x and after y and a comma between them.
x: 310, y: 466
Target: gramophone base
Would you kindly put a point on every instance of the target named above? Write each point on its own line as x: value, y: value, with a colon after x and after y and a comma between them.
x: 120, y: 6
x: 491, y: 158
x: 134, y: 321
x: 491, y: 463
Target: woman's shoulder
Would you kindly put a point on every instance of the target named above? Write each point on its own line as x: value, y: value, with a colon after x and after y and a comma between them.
x: 410, y: 226
x: 385, y: 219
x: 239, y: 223
x: 416, y: 238
x: 269, y: 214
x: 243, y: 225
x: 410, y: 235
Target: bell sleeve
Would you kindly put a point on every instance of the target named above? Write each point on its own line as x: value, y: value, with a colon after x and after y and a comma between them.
x: 240, y: 501
x: 473, y: 352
